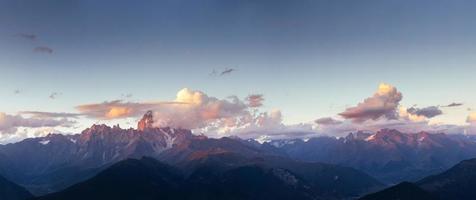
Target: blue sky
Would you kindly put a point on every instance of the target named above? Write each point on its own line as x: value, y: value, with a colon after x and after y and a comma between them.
x: 308, y: 58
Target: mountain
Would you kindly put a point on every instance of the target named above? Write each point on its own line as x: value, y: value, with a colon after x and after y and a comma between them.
x: 402, y: 191
x: 389, y: 155
x: 455, y: 183
x: 128, y: 179
x: 148, y: 178
x: 56, y: 162
x: 11, y: 191
x: 327, y: 180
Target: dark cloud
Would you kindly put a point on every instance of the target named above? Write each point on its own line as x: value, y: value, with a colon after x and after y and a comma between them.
x: 227, y: 71
x: 454, y: 104
x: 383, y: 103
x: 255, y: 100
x: 327, y: 121
x: 43, y: 49
x: 428, y: 112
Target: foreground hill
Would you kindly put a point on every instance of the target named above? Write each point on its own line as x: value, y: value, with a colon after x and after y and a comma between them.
x: 389, y: 155
x: 147, y: 178
x: 456, y: 183
x: 11, y: 191
x: 402, y: 191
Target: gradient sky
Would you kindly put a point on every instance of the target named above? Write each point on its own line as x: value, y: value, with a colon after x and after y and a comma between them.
x: 309, y: 58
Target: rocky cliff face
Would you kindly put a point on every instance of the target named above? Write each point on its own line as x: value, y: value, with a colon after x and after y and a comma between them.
x: 147, y: 122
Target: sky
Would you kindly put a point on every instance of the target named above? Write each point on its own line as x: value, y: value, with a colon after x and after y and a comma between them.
x: 309, y: 59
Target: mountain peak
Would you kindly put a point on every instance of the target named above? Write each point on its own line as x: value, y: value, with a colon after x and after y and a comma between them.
x: 146, y: 122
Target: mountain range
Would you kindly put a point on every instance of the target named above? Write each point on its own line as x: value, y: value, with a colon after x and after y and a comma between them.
x: 53, y: 163
x: 388, y: 155
x: 111, y: 162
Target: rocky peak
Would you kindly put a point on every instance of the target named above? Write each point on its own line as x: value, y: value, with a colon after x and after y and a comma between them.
x: 146, y: 122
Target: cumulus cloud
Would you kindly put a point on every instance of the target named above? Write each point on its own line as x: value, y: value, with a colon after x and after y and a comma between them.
x: 10, y: 123
x: 383, y: 103
x: 428, y: 112
x: 255, y: 100
x: 471, y: 118
x: 43, y: 49
x: 195, y: 109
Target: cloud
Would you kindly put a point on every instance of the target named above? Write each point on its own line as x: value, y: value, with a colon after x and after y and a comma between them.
x: 255, y: 100
x: 227, y: 71
x: 43, y: 49
x: 55, y: 95
x: 327, y: 121
x: 117, y: 109
x: 10, y: 123
x: 126, y: 96
x: 471, y: 118
x: 41, y: 114
x: 383, y: 103
x: 428, y: 112
x: 263, y: 126
x: 454, y: 104
x: 27, y: 36
x: 195, y: 109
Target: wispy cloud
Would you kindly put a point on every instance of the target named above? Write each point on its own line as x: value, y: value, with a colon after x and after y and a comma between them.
x: 41, y: 114
x: 227, y: 71
x: 126, y: 96
x: 43, y: 49
x: 327, y: 121
x: 255, y: 100
x: 27, y: 36
x: 454, y: 105
x: 54, y: 95
x: 117, y: 109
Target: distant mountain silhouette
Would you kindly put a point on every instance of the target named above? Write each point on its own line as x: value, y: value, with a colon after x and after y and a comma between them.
x: 12, y: 191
